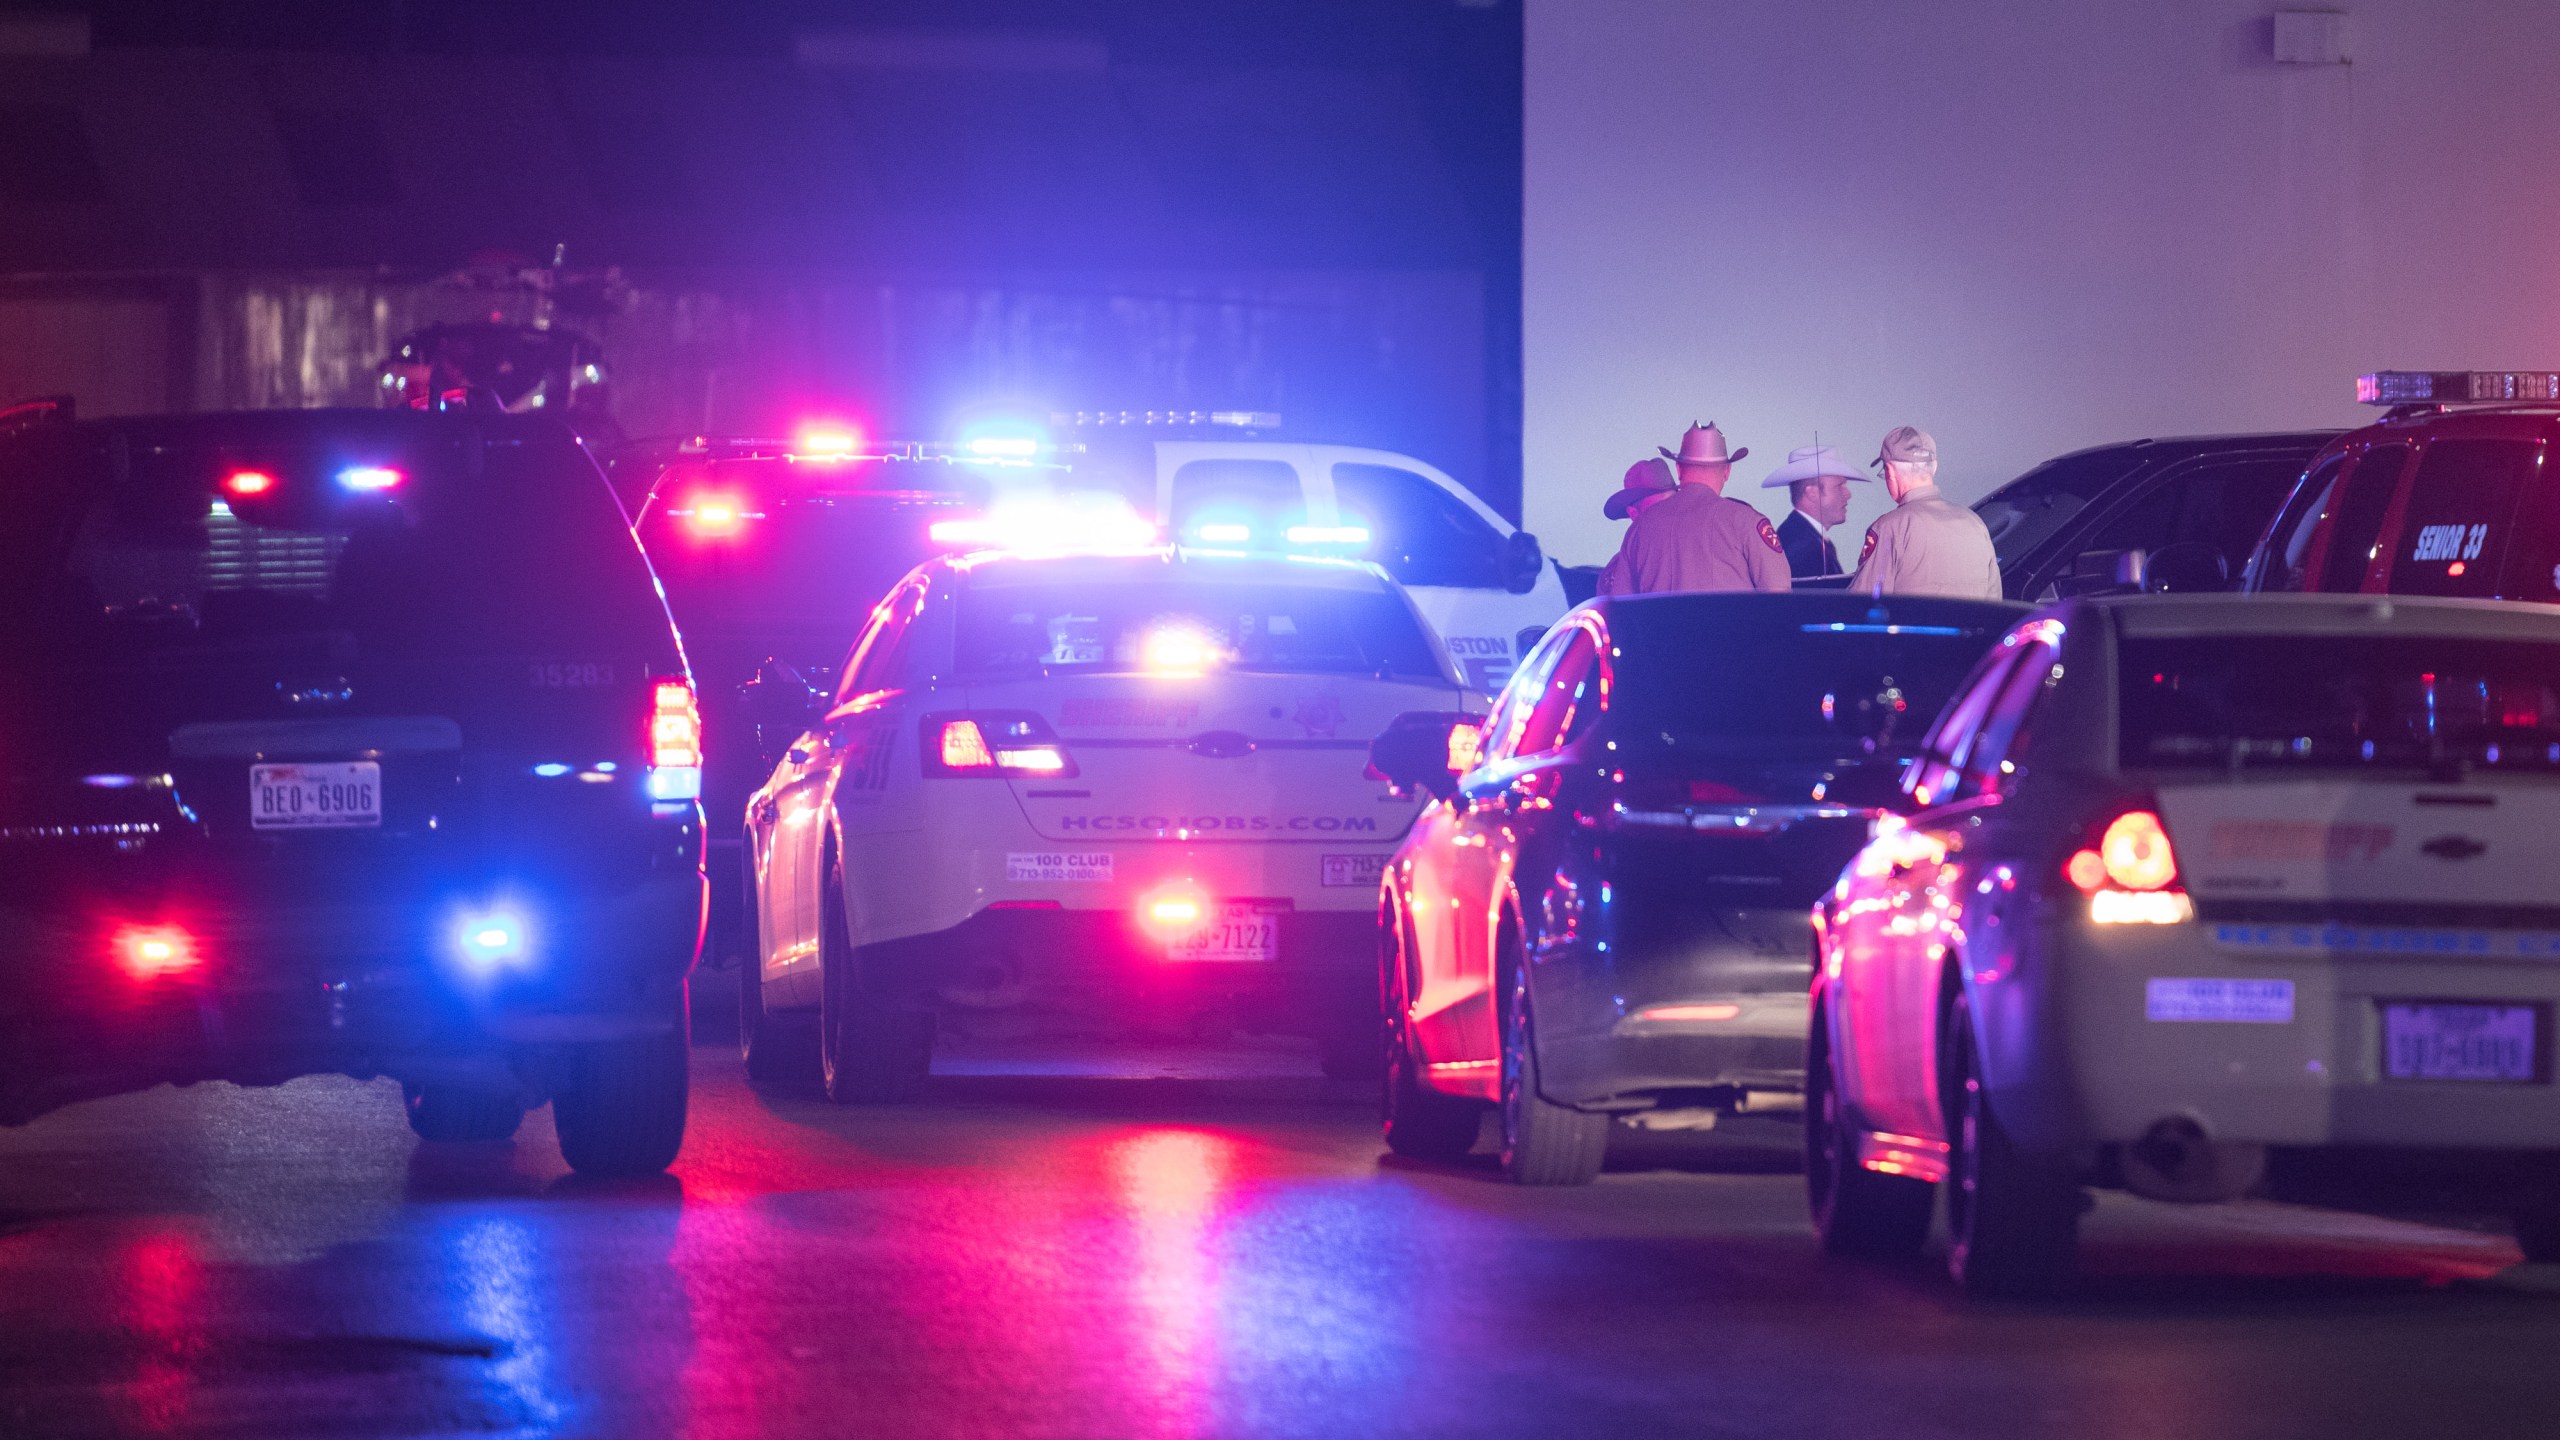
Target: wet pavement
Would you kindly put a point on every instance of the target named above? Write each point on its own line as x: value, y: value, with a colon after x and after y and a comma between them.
x: 1040, y: 1249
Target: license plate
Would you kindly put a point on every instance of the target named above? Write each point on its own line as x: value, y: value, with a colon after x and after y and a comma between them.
x: 2439, y: 1041
x: 342, y: 795
x: 1360, y: 870
x: 1240, y: 931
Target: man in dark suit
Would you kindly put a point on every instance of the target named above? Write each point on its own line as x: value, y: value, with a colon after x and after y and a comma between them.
x: 1817, y: 484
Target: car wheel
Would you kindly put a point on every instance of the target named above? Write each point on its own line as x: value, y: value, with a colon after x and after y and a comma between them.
x: 451, y: 1113
x: 872, y: 1049
x: 1419, y: 1123
x: 620, y: 1108
x: 1543, y: 1143
x: 2012, y: 1217
x: 1856, y: 1211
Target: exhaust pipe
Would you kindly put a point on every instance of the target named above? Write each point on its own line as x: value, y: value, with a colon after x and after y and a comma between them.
x: 2175, y: 1160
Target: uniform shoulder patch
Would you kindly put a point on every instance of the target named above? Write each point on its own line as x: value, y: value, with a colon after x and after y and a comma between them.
x: 1769, y: 536
x: 1869, y: 546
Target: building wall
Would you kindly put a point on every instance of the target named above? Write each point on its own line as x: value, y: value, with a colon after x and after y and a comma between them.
x: 2028, y: 227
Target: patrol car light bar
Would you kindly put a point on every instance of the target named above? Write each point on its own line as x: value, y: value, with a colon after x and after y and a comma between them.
x: 2457, y: 387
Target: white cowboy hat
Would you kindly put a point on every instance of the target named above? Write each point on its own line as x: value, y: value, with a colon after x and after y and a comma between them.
x: 1703, y: 445
x: 1811, y: 463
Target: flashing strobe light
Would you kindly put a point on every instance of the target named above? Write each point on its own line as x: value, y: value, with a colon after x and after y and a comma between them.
x: 1003, y: 447
x: 1180, y: 648
x: 490, y: 938
x: 675, y: 740
x: 1222, y: 532
x: 1095, y: 524
x: 2457, y: 387
x: 827, y: 442
x: 1173, y: 910
x: 369, y: 479
x: 243, y: 483
x: 152, y: 952
x: 716, y: 515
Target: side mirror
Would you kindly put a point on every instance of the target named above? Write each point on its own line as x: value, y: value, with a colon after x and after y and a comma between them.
x: 2186, y: 568
x: 1875, y: 785
x: 779, y: 702
x: 1523, y: 561
x: 2104, y: 572
x: 1426, y: 750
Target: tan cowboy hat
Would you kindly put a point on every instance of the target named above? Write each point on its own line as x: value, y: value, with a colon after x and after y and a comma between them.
x: 1811, y: 463
x: 1703, y: 445
x: 1645, y: 477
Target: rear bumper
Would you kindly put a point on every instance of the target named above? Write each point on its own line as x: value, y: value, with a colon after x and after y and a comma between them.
x: 1098, y: 966
x: 2075, y: 1057
x: 281, y: 989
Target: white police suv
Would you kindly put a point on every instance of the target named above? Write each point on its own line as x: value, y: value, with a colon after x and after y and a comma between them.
x: 1095, y: 790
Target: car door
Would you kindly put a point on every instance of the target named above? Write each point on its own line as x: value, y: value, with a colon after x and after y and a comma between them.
x: 2457, y: 522
x: 1500, y: 801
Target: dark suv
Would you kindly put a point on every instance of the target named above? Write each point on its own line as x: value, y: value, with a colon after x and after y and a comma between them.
x: 343, y: 741
x: 2450, y: 493
x: 2192, y: 507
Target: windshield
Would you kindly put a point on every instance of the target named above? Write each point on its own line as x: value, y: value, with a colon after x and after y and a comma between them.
x: 2200, y: 702
x: 359, y: 536
x: 1795, y: 686
x: 1184, y: 627
x: 2025, y: 512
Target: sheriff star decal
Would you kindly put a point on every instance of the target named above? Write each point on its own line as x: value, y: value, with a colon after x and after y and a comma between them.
x: 1769, y: 536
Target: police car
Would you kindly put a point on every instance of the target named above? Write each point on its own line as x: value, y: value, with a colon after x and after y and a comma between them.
x: 1090, y: 790
x: 2190, y: 885
x: 1485, y: 586
x: 2449, y: 493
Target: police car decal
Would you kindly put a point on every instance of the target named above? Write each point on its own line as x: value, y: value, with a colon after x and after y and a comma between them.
x: 1057, y: 867
x: 2450, y: 542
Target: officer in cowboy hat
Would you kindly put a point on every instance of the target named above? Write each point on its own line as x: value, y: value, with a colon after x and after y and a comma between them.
x: 1926, y: 544
x: 1817, y: 482
x: 1647, y: 484
x: 1697, y: 537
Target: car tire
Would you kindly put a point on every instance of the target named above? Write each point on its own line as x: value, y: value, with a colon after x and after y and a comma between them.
x: 1543, y: 1143
x: 2013, y: 1217
x: 1857, y: 1211
x: 776, y: 1052
x: 872, y: 1050
x: 448, y: 1113
x: 620, y: 1107
x: 1419, y: 1123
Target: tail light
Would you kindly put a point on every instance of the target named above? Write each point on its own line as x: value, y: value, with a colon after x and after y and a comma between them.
x: 675, y: 740
x: 994, y: 743
x: 2130, y: 873
x: 150, y: 952
x: 1173, y: 910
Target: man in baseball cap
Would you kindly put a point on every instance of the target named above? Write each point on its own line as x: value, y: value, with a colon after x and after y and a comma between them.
x: 1647, y: 484
x: 1927, y: 544
x: 1697, y: 538
x: 1817, y: 482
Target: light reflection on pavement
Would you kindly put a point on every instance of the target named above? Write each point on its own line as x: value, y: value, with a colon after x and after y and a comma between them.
x: 1038, y: 1251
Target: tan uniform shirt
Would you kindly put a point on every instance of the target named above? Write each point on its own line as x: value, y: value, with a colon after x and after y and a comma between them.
x: 1928, y: 545
x: 1613, y: 576
x: 1699, y: 540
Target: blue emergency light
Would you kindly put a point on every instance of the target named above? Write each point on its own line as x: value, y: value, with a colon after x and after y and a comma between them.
x: 2457, y: 387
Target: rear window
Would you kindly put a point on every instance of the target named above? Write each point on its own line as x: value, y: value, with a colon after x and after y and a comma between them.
x: 1806, y: 686
x: 2233, y: 702
x: 1152, y: 627
x: 390, y: 533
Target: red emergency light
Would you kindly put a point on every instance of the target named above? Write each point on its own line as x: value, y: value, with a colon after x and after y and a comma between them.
x: 153, y: 952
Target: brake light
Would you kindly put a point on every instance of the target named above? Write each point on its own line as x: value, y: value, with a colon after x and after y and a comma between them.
x: 1173, y: 910
x: 991, y: 744
x: 244, y: 483
x: 2131, y: 874
x: 151, y: 952
x: 675, y: 740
